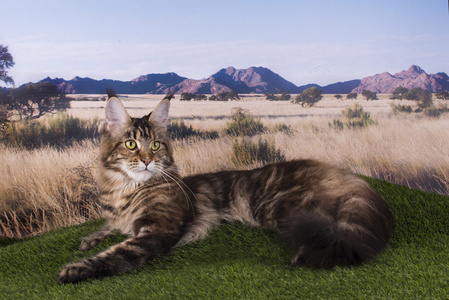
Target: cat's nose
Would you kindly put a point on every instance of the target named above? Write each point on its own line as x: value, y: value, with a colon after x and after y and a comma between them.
x: 146, y: 161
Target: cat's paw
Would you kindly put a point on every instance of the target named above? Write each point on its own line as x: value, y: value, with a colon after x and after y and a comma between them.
x: 76, y: 272
x: 88, y: 243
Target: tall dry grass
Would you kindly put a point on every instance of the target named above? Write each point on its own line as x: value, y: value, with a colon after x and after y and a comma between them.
x: 410, y: 151
x: 48, y: 188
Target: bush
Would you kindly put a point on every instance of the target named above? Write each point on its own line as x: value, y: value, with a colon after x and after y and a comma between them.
x: 355, y: 117
x: 285, y: 96
x: 247, y: 153
x: 337, y: 124
x: 401, y: 108
x: 435, y: 112
x: 243, y: 123
x: 225, y: 96
x: 190, y: 96
x: 59, y: 131
x: 442, y: 95
x: 351, y: 96
x: 282, y: 127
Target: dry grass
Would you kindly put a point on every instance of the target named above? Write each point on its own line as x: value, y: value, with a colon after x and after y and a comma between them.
x: 48, y: 188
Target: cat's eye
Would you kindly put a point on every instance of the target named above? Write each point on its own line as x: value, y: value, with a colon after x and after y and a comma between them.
x: 155, y: 145
x: 130, y: 144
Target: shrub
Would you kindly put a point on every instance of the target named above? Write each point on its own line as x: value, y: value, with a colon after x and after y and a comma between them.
x: 247, y: 153
x: 243, y: 123
x: 285, y: 96
x: 442, y: 95
x: 401, y: 108
x: 282, y: 127
x: 337, y: 124
x: 435, y: 112
x: 355, y: 117
x: 190, y: 96
x: 225, y: 96
x: 351, y: 96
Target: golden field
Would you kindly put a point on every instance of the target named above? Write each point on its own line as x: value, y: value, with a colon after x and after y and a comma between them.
x: 48, y: 188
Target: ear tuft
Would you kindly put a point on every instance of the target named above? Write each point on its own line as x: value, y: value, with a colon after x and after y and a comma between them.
x: 169, y: 96
x: 111, y: 93
x: 159, y: 115
x: 116, y: 115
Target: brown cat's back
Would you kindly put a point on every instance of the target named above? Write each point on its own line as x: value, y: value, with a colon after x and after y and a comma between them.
x: 296, y: 198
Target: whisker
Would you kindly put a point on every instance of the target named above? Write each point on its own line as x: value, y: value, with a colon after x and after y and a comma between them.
x: 178, y: 181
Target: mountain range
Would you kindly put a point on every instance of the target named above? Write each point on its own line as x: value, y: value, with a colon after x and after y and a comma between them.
x: 258, y: 80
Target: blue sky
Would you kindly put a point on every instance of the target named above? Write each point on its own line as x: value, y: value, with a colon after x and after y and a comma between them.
x: 304, y: 41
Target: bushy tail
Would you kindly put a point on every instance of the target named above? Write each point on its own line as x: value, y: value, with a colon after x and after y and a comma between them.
x: 324, y: 242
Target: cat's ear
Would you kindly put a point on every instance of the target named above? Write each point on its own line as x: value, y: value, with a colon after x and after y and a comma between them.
x: 116, y: 114
x: 159, y: 115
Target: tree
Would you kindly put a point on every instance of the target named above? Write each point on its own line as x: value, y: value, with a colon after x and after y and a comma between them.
x: 399, y: 92
x: 369, y: 95
x: 413, y: 94
x: 6, y: 62
x: 442, y: 95
x: 338, y: 97
x: 36, y: 99
x: 425, y: 99
x: 351, y: 96
x: 225, y: 96
x: 418, y: 94
x: 187, y: 96
x: 309, y: 97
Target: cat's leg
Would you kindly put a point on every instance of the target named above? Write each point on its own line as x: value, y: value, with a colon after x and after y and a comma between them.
x: 122, y: 257
x: 93, y: 240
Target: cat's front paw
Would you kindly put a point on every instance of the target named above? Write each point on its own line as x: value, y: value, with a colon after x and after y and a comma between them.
x: 88, y: 243
x: 76, y: 272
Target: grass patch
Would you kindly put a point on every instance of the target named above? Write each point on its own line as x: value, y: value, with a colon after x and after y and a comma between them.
x: 245, y: 152
x: 236, y: 261
x: 178, y: 129
x: 61, y: 130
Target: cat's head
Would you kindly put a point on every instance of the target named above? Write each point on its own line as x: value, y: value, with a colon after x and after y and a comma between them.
x: 136, y: 149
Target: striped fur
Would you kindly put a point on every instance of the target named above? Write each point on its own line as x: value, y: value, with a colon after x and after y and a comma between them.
x: 330, y: 216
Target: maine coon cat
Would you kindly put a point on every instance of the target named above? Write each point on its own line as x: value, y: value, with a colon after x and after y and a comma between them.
x: 329, y: 215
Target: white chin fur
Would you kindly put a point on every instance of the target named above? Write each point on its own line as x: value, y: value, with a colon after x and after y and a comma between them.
x: 141, y: 173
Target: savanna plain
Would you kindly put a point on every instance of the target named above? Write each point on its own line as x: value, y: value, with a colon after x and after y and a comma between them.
x: 49, y: 187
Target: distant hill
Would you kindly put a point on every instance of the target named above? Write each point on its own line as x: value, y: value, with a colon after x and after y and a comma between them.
x: 257, y: 80
x: 385, y: 83
x: 151, y: 83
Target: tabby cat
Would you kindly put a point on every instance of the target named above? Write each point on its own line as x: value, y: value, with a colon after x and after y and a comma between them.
x: 330, y: 216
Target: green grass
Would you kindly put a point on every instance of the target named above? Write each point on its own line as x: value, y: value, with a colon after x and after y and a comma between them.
x: 241, y: 262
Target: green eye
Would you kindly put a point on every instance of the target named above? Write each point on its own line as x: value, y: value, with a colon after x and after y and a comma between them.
x: 155, y: 146
x: 130, y: 144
